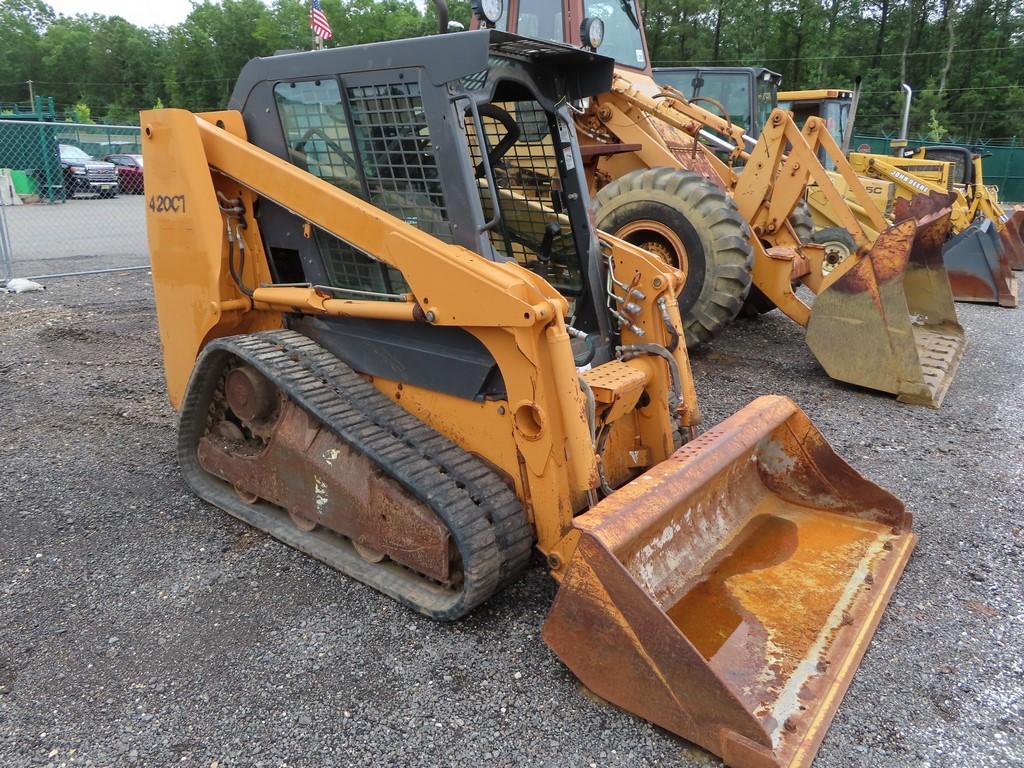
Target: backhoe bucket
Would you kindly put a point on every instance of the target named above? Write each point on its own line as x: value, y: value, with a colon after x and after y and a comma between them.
x: 978, y: 266
x: 888, y: 323
x: 729, y: 593
x: 1013, y: 235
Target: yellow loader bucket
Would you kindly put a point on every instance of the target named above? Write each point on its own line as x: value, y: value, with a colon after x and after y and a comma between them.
x: 889, y: 323
x: 729, y: 593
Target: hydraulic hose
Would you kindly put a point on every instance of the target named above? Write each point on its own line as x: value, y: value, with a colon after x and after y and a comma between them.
x: 631, y: 351
x: 669, y: 325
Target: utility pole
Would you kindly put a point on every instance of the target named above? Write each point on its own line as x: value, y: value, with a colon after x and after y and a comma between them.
x: 31, y: 95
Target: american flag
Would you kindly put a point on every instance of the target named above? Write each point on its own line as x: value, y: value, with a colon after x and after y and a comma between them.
x: 318, y: 22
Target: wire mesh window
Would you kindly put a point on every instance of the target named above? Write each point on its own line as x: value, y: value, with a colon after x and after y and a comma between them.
x: 348, y: 267
x: 385, y: 156
x: 317, y: 132
x: 517, y: 139
x: 398, y: 157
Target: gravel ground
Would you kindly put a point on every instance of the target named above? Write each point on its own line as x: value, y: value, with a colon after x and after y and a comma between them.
x: 141, y: 626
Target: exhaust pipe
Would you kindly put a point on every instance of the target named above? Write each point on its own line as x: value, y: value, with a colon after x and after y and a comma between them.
x: 442, y: 16
x: 900, y: 143
x: 858, y: 86
x: 906, y: 111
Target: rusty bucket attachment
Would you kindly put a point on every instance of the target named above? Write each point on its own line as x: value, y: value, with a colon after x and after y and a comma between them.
x: 888, y: 323
x: 978, y: 266
x: 729, y: 593
x: 1012, y: 235
x: 976, y: 258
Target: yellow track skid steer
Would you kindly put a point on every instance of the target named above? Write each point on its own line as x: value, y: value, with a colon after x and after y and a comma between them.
x: 399, y: 345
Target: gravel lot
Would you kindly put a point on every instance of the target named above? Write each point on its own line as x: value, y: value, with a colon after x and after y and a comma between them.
x: 141, y: 626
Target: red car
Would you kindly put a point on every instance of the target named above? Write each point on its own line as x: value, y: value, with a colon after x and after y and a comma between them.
x: 129, y: 172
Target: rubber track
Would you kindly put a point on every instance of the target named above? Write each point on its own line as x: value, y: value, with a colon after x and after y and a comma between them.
x: 485, y: 518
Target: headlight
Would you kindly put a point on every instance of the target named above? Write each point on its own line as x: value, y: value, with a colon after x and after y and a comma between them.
x: 592, y: 33
x: 489, y: 10
x: 78, y: 171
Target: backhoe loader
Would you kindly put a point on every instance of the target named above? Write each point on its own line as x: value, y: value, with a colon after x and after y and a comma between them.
x: 985, y: 241
x: 400, y: 348
x: 980, y: 245
x: 972, y: 257
x: 883, y: 319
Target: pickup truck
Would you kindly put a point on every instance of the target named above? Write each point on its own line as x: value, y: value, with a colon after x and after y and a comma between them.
x: 85, y: 175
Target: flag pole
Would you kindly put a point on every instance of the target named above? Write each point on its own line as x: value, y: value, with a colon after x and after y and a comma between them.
x: 319, y: 25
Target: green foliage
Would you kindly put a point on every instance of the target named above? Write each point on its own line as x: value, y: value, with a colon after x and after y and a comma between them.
x: 120, y: 69
x: 828, y: 43
x: 80, y: 113
x: 936, y: 132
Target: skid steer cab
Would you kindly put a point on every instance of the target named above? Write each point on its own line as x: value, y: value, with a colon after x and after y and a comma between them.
x: 398, y: 344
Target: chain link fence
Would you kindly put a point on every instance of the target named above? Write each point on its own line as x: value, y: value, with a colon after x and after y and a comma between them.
x: 71, y: 199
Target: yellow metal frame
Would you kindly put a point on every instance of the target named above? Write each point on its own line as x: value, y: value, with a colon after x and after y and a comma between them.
x: 518, y: 316
x: 815, y: 94
x: 775, y: 177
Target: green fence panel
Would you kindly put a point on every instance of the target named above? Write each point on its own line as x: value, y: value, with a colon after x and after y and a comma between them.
x: 30, y: 147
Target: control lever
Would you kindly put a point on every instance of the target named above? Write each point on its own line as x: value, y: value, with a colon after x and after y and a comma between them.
x: 551, y: 230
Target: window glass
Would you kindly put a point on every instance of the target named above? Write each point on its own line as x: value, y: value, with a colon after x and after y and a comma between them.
x: 766, y: 99
x: 959, y: 171
x: 385, y: 157
x: 732, y: 91
x: 539, y: 19
x: 69, y: 152
x: 317, y: 132
x: 682, y: 80
x: 622, y: 38
x: 397, y: 155
x: 835, y: 115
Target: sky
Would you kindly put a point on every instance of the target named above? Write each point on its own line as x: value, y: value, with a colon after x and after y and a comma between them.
x: 143, y: 14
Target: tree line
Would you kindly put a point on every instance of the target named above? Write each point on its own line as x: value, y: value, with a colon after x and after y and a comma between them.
x: 964, y: 58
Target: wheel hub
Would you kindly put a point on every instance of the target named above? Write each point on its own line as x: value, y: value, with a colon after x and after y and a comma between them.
x: 835, y: 254
x: 658, y: 239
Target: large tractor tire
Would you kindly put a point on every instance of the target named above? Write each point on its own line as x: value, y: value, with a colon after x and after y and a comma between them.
x: 801, y: 222
x: 693, y: 225
x: 839, y: 246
